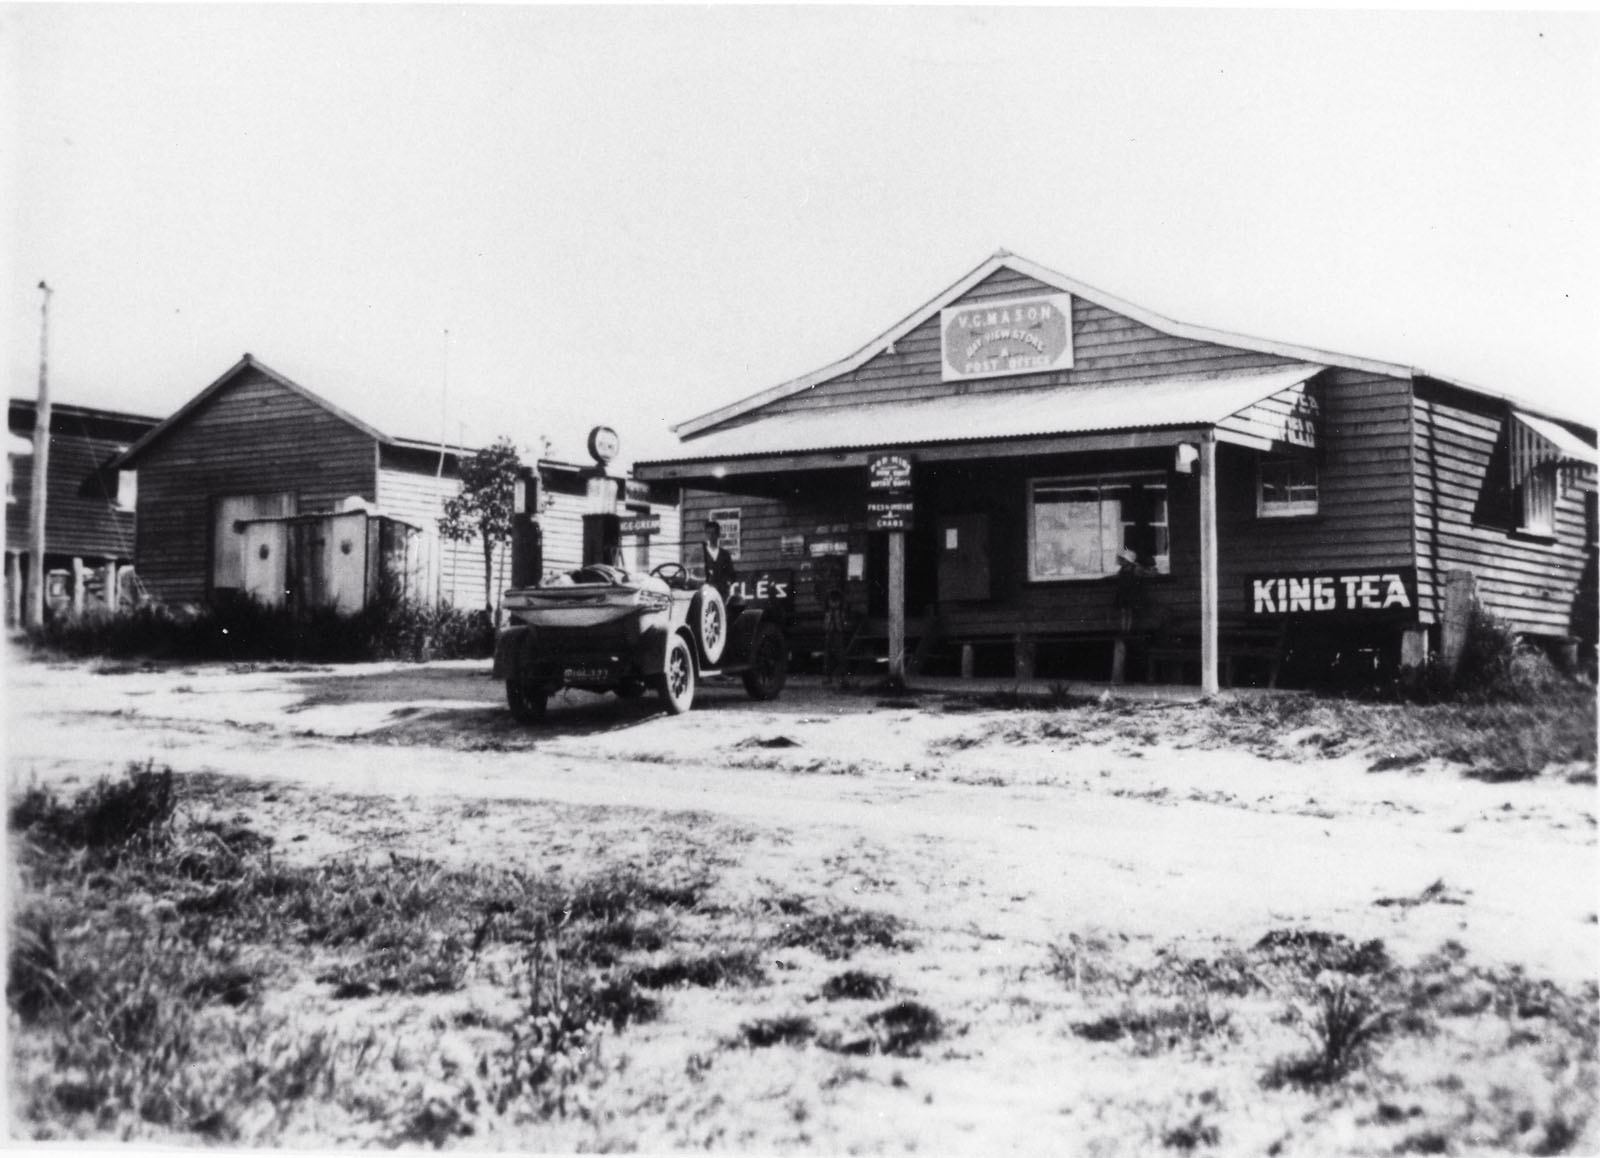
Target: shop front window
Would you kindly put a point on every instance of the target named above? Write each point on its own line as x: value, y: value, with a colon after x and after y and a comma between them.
x: 1079, y: 526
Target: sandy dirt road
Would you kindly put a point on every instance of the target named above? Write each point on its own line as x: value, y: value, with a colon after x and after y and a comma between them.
x: 997, y: 836
x: 1138, y: 833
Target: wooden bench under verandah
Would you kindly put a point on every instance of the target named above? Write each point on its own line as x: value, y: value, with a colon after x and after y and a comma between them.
x: 1256, y: 649
x: 929, y: 636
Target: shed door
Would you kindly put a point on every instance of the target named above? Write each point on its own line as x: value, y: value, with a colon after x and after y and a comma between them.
x: 264, y: 556
x: 228, y: 537
x: 963, y: 557
x: 344, y: 567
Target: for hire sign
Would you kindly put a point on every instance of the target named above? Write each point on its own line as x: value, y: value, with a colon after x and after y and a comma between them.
x: 1334, y: 591
x: 1016, y: 336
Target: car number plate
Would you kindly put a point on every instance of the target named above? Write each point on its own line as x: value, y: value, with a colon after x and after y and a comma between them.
x: 586, y: 675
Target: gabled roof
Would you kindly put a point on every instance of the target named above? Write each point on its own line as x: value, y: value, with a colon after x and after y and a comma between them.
x: 248, y: 362
x: 1191, y: 400
x: 1004, y: 260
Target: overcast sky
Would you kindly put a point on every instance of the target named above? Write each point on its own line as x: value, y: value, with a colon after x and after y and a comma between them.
x: 636, y: 215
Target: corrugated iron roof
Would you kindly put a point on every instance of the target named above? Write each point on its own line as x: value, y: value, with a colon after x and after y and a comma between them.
x: 1039, y: 411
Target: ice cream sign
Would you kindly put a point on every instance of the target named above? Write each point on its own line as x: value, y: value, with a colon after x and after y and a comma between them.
x: 989, y: 339
x: 1330, y: 591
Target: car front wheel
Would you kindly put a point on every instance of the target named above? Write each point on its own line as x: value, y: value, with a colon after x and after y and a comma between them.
x: 526, y: 700
x: 676, y: 681
x: 769, y: 664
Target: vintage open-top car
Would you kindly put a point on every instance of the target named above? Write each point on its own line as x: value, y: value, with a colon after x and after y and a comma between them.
x: 604, y: 629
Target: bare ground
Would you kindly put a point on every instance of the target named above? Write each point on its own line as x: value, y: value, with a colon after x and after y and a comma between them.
x: 1053, y: 871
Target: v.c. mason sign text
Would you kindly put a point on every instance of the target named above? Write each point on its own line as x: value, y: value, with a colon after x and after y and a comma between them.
x: 1015, y: 336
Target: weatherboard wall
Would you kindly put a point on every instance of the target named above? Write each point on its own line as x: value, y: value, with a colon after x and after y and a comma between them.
x: 1467, y: 518
x: 413, y: 487
x: 82, y: 515
x: 1364, y: 516
x: 253, y: 436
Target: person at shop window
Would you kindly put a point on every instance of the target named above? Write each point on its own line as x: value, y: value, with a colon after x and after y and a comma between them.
x: 1130, y: 597
x: 718, y: 563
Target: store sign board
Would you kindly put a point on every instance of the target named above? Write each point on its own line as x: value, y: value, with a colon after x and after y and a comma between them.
x: 890, y: 514
x: 991, y: 339
x: 889, y: 474
x: 640, y: 525
x: 775, y: 586
x: 1327, y: 592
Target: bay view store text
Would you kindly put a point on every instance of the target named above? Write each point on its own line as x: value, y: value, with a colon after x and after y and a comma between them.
x: 1080, y: 487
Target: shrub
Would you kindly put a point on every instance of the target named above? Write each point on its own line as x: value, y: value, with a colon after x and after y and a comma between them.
x: 106, y: 816
x: 240, y: 630
x: 1494, y: 666
x: 1312, y: 951
x: 1345, y: 1021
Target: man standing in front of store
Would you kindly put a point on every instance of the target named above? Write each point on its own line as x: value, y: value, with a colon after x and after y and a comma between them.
x: 718, y: 563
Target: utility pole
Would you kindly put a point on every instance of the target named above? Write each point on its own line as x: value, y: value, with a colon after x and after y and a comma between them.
x: 41, y: 468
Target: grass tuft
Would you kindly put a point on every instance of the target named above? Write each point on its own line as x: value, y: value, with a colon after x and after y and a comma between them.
x: 740, y: 967
x: 903, y: 1029
x: 1159, y: 1029
x: 838, y: 935
x: 856, y: 985
x: 1191, y: 1135
x: 770, y: 1031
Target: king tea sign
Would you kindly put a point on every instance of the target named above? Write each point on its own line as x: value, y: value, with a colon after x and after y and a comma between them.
x: 1015, y: 336
x: 1329, y: 592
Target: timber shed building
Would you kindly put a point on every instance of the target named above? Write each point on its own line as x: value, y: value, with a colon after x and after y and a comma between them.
x: 245, y: 484
x: 1077, y: 487
x: 89, y: 508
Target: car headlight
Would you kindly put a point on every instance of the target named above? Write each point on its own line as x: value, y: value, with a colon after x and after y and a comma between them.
x: 650, y: 600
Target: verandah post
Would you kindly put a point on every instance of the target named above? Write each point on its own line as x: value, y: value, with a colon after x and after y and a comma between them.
x: 897, y: 606
x: 1208, y: 564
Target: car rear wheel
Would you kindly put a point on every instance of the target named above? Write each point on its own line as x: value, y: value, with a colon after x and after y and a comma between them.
x: 676, y: 681
x: 769, y: 663
x: 526, y: 700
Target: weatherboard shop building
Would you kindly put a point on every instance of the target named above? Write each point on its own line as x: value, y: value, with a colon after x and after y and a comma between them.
x: 1028, y: 476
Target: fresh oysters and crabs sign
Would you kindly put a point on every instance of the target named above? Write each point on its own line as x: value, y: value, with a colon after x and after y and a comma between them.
x: 1027, y: 335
